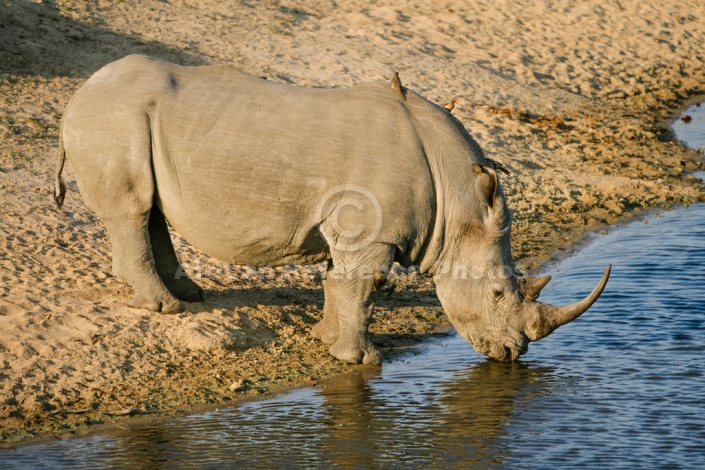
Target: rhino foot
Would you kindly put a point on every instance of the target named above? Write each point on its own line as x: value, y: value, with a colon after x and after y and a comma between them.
x: 156, y: 304
x: 326, y: 330
x: 356, y: 352
x: 187, y: 290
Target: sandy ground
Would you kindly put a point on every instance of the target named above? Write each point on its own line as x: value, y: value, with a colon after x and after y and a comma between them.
x: 572, y: 97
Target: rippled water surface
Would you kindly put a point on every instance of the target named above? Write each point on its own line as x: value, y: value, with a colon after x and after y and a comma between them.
x: 622, y: 386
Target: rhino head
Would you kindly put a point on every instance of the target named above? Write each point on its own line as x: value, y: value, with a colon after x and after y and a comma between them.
x: 477, y: 282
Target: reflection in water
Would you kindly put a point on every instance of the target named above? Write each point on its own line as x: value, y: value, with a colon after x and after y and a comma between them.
x: 477, y: 405
x: 350, y: 407
x: 403, y: 416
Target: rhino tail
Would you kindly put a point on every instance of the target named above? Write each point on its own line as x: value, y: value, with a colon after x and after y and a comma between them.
x: 59, y: 185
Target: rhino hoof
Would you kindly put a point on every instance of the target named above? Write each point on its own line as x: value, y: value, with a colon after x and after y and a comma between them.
x: 172, y: 307
x: 156, y: 305
x: 326, y: 331
x: 187, y: 290
x: 192, y: 295
x: 369, y: 354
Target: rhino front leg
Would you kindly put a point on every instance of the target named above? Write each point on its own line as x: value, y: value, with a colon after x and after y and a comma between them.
x: 327, y: 330
x: 133, y: 262
x: 166, y: 262
x: 354, y: 292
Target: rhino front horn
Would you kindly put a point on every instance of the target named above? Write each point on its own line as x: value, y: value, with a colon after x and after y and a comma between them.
x: 542, y: 319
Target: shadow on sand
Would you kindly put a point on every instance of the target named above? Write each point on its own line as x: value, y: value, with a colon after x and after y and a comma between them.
x: 37, y: 39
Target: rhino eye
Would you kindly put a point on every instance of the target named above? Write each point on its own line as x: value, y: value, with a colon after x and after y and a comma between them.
x: 498, y: 294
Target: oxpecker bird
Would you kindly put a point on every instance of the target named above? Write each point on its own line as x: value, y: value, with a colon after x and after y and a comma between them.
x: 499, y: 167
x: 450, y: 105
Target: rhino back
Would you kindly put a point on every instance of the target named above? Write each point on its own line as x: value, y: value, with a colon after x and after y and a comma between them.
x: 241, y: 164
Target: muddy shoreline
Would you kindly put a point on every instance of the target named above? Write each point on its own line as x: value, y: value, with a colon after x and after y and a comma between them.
x: 574, y: 101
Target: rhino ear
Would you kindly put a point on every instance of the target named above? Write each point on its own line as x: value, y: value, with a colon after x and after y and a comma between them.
x: 485, y: 184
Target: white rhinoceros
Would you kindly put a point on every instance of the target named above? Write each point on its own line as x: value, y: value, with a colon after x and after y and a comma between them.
x: 260, y: 173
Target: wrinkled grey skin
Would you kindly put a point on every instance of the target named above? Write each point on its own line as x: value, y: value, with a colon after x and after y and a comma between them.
x: 260, y: 173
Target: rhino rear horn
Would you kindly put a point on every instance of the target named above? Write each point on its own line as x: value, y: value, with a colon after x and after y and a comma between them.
x: 531, y: 286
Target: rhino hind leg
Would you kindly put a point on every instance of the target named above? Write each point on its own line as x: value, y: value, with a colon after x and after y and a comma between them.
x: 166, y: 262
x: 134, y: 263
x: 113, y: 167
x: 353, y: 297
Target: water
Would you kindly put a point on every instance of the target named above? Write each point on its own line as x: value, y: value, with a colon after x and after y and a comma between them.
x: 691, y: 132
x: 621, y: 387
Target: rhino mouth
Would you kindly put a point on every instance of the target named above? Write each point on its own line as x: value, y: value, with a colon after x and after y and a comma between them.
x: 508, y: 351
x: 511, y: 354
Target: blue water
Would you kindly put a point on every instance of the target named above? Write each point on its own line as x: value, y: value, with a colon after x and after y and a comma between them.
x: 691, y: 131
x: 621, y: 387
